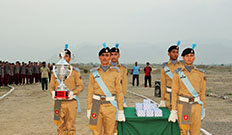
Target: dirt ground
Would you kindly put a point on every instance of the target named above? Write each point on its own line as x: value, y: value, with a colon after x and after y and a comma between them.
x: 29, y: 111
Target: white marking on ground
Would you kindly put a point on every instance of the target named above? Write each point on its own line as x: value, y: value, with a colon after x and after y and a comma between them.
x: 12, y: 89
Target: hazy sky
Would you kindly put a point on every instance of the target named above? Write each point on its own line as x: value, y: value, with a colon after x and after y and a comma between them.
x: 38, y: 29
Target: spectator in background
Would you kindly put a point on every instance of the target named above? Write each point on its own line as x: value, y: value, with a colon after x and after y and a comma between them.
x: 37, y: 72
x: 29, y: 73
x: 51, y: 70
x: 44, y: 75
x: 49, y: 74
x: 6, y: 73
x: 11, y: 74
x: 135, y: 72
x: 147, y: 71
x: 33, y: 72
x: 40, y: 65
x: 23, y: 73
x: 2, y: 75
x: 17, y: 73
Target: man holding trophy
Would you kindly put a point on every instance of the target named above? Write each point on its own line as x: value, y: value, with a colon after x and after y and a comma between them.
x: 66, y: 84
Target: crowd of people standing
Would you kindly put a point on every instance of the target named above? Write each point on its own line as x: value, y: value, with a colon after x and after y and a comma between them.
x: 21, y: 73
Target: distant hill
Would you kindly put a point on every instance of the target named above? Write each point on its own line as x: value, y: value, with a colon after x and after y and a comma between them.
x: 206, y: 53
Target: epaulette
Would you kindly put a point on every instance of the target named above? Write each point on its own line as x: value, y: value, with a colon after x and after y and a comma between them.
x: 124, y: 65
x: 164, y: 64
x: 181, y: 61
x: 115, y: 67
x: 201, y: 70
x: 93, y: 69
x: 178, y: 70
x: 76, y: 69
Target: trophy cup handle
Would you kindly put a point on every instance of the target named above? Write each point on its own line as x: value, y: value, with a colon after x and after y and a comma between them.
x: 54, y: 72
x: 70, y: 71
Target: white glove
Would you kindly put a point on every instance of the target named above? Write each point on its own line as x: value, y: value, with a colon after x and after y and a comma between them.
x: 53, y: 94
x: 121, y: 116
x: 162, y: 103
x: 125, y: 105
x: 202, y: 117
x: 88, y: 114
x: 173, y: 116
x: 70, y: 95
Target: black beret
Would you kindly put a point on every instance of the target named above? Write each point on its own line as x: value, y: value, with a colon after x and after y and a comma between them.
x: 67, y: 52
x: 104, y: 50
x: 173, y: 47
x: 188, y: 51
x: 114, y: 49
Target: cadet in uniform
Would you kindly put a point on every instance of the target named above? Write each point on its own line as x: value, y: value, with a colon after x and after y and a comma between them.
x: 188, y: 95
x: 115, y: 55
x: 105, y: 97
x: 68, y: 108
x: 166, y: 77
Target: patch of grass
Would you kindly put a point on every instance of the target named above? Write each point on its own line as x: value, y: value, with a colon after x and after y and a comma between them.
x: 4, y: 88
x: 229, y: 94
x: 208, y: 91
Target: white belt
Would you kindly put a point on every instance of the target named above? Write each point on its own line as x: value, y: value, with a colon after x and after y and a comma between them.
x: 97, y: 97
x: 169, y: 90
x: 189, y: 100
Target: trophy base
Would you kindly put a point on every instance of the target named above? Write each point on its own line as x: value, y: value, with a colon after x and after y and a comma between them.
x: 61, y: 95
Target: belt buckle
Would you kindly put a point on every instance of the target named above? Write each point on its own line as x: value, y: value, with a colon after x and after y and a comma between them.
x: 191, y: 100
x: 103, y: 99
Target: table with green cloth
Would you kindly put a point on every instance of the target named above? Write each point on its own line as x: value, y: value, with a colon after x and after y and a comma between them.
x: 147, y: 125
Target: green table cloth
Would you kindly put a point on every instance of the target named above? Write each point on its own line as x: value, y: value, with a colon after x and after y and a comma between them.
x: 147, y: 125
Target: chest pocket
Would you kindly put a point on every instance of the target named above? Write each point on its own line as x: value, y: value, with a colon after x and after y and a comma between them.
x: 196, y: 79
x: 108, y: 79
x: 69, y: 81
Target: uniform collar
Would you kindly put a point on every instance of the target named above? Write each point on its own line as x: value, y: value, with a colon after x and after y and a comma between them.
x: 104, y: 68
x: 193, y: 68
x: 119, y: 64
x: 170, y: 62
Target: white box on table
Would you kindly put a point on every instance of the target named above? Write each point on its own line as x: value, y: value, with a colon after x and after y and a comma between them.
x: 149, y: 113
x: 154, y: 106
x: 147, y: 106
x: 140, y: 113
x: 158, y: 113
x: 139, y: 106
